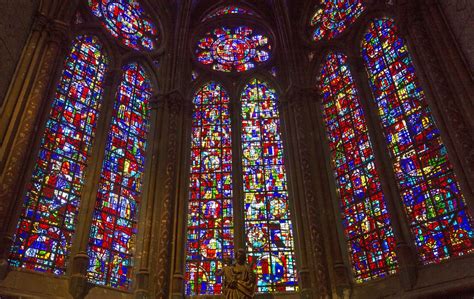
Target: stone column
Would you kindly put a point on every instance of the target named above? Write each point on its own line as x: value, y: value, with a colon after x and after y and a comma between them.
x: 298, y: 100
x: 25, y: 104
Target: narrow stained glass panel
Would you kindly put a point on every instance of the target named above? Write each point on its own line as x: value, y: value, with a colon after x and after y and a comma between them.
x: 48, y: 219
x: 268, y: 227
x: 114, y: 222
x: 365, y: 217
x: 434, y: 205
x: 332, y: 17
x: 127, y: 21
x: 210, y: 232
x: 228, y: 10
x: 228, y: 49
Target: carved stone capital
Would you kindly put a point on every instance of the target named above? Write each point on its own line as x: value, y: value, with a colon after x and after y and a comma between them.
x: 142, y: 284
x: 79, y: 286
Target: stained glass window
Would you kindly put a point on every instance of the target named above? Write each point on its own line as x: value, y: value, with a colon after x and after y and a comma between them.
x: 332, y: 17
x: 48, y: 219
x: 435, y: 208
x: 113, y: 229
x: 228, y: 49
x: 228, y: 10
x: 365, y: 217
x: 127, y: 21
x: 268, y: 227
x: 210, y: 230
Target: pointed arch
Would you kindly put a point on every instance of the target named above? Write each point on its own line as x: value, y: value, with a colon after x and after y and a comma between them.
x: 434, y: 205
x: 366, y: 221
x: 210, y: 226
x: 48, y: 219
x: 114, y: 222
x: 267, y: 216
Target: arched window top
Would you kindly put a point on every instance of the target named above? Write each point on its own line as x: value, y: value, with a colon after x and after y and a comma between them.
x: 332, y: 17
x: 128, y: 22
x: 228, y: 10
x: 114, y: 222
x: 366, y: 221
x: 229, y: 49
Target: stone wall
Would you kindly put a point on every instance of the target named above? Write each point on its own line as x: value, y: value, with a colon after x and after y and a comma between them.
x: 16, y: 19
x: 460, y: 16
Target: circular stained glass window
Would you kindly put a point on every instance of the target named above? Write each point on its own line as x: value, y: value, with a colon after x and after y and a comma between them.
x: 228, y: 49
x: 332, y: 17
x: 127, y: 21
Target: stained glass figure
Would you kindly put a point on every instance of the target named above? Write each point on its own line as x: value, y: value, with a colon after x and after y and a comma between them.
x: 332, y: 17
x: 48, y: 219
x: 365, y: 218
x: 114, y: 222
x: 210, y: 232
x: 435, y: 208
x: 229, y: 49
x: 127, y: 21
x: 228, y: 10
x: 268, y: 227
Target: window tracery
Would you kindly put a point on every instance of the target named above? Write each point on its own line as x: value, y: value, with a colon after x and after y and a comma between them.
x: 127, y: 21
x: 333, y: 17
x: 228, y: 49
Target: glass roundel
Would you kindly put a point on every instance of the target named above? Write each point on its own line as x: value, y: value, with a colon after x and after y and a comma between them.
x: 332, y: 17
x: 127, y: 21
x: 237, y: 49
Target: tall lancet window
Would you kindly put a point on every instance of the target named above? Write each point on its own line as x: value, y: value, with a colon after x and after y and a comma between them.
x: 268, y: 227
x: 210, y: 233
x: 364, y: 213
x: 434, y: 205
x: 48, y: 219
x: 114, y: 222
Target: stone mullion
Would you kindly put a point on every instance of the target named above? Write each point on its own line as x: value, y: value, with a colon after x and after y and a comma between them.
x: 79, y: 257
x: 305, y: 191
x: 453, y: 118
x: 401, y: 230
x: 237, y: 171
x: 34, y: 91
x: 331, y: 203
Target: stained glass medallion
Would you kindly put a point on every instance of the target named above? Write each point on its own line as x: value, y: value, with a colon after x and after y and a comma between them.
x: 114, y: 222
x: 228, y: 10
x: 210, y: 227
x: 365, y: 218
x: 48, y: 219
x: 332, y: 17
x: 127, y: 21
x: 229, y: 49
x: 268, y: 227
x: 434, y: 205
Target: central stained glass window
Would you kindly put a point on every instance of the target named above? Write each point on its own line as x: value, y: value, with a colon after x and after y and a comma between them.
x: 228, y: 49
x: 332, y: 17
x: 267, y: 225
